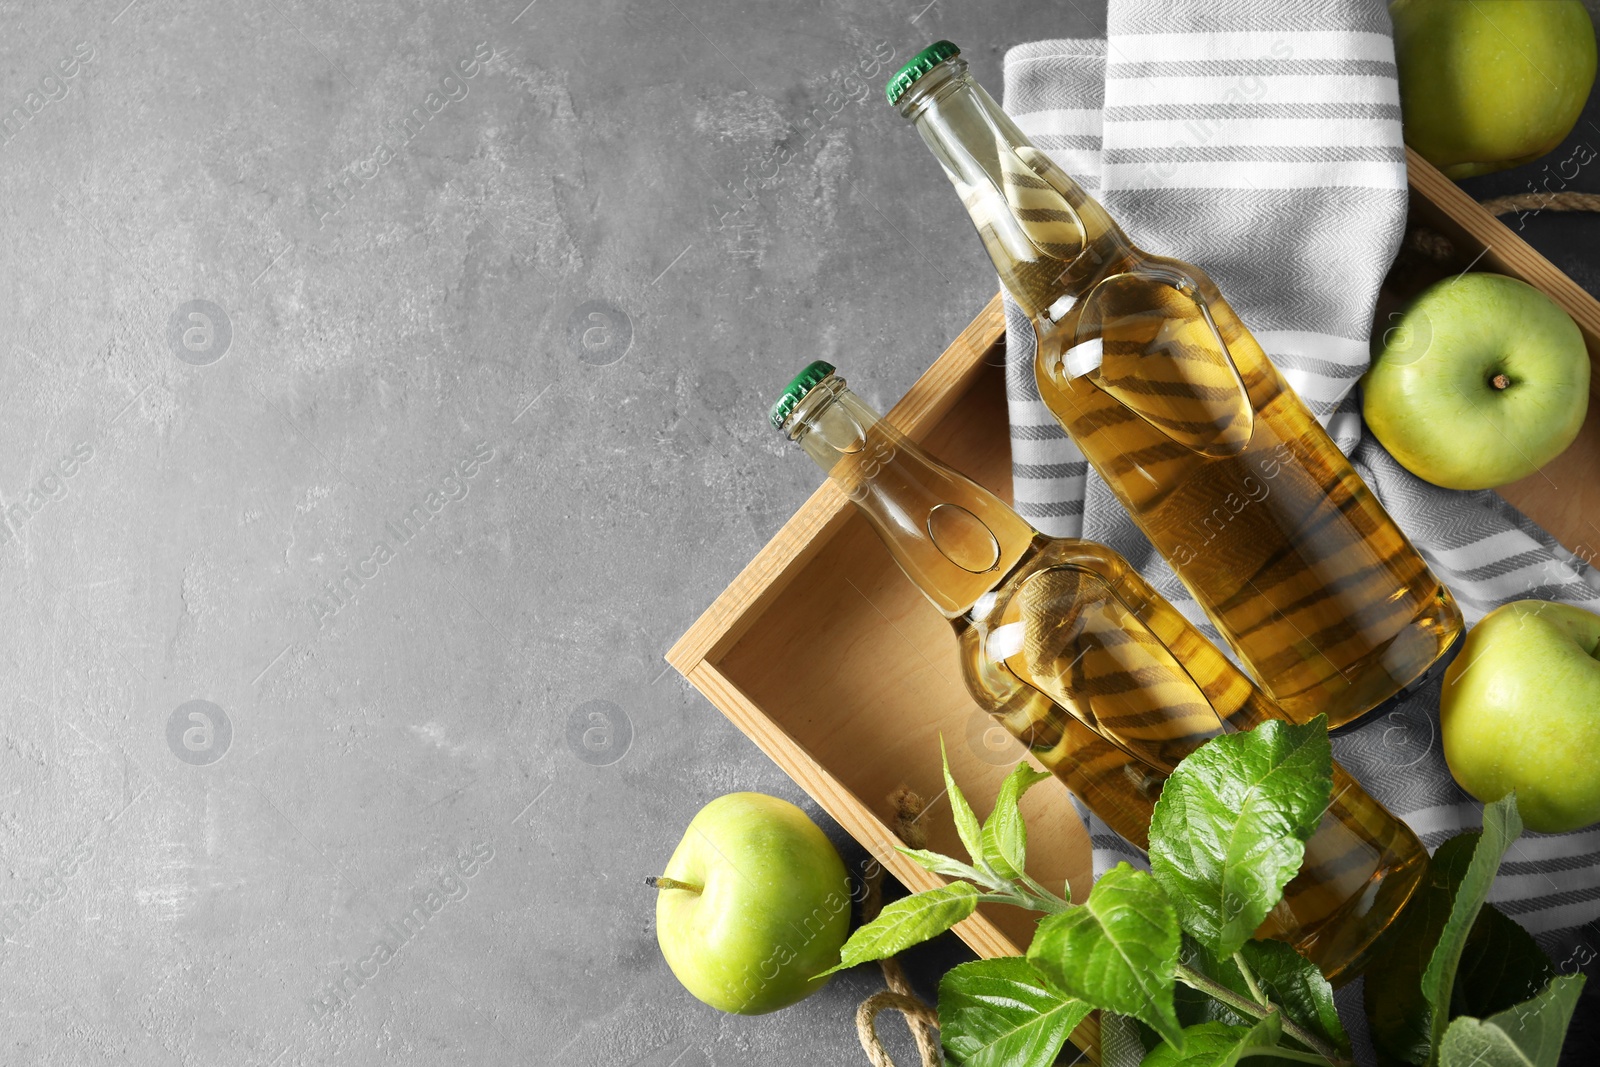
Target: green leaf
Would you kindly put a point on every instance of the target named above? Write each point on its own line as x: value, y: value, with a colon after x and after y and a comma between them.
x: 1293, y: 983
x: 1501, y: 825
x: 1230, y: 828
x: 1000, y: 1013
x: 941, y: 864
x: 1288, y: 979
x: 1397, y: 1012
x: 1526, y: 1035
x: 908, y: 921
x: 966, y: 822
x: 1005, y: 838
x: 1117, y: 951
x: 1500, y: 966
x: 1218, y: 1044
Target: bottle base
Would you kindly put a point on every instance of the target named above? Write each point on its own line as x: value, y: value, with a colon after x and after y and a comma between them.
x: 1433, y: 672
x: 1411, y: 660
x: 1343, y: 944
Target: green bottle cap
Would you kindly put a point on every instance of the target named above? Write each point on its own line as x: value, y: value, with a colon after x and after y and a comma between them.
x: 796, y: 390
x: 920, y: 64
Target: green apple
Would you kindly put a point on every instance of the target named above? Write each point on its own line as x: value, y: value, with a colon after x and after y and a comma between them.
x: 754, y: 902
x: 1490, y: 84
x: 1520, y: 711
x: 1483, y: 380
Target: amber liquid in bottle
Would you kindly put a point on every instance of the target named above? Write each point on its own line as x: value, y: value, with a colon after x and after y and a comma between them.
x: 1175, y: 405
x: 1102, y: 679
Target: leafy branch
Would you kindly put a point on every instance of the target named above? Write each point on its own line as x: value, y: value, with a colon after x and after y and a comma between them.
x: 1261, y: 1008
x: 1227, y: 835
x: 1457, y: 982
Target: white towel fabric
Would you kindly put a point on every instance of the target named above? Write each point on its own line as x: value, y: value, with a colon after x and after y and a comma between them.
x: 1260, y: 139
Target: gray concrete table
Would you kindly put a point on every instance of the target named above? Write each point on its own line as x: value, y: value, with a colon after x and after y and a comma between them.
x: 382, y: 392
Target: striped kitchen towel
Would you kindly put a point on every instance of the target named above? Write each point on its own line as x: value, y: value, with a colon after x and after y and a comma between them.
x: 1261, y: 140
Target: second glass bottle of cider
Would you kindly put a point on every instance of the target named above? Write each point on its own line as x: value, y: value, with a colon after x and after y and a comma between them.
x: 1176, y: 406
x: 1080, y: 659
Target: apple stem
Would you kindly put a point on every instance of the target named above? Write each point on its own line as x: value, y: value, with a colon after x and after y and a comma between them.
x: 1500, y: 381
x: 664, y: 882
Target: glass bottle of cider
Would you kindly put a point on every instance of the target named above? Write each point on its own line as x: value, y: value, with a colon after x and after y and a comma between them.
x: 1095, y: 672
x: 1173, y: 402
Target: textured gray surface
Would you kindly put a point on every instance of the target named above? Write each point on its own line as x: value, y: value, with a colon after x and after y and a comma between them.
x: 399, y: 298
x: 398, y: 301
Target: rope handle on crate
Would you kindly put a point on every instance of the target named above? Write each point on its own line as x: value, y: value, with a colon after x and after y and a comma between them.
x: 1504, y: 205
x: 1437, y: 247
x: 920, y: 1017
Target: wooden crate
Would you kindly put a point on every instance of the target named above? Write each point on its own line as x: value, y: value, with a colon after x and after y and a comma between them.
x: 832, y: 662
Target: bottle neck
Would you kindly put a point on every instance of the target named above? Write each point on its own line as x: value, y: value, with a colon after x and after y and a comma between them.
x: 1049, y: 240
x: 953, y: 538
